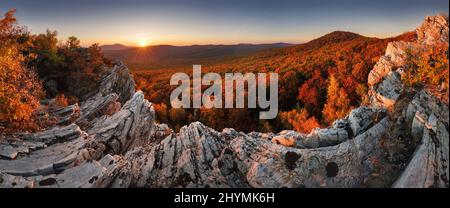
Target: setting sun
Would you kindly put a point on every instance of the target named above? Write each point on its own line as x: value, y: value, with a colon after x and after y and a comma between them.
x: 143, y: 42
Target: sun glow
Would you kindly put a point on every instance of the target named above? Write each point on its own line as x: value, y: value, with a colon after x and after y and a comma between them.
x: 143, y: 42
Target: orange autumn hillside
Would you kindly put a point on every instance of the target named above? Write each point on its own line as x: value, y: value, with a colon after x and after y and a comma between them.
x: 304, y: 73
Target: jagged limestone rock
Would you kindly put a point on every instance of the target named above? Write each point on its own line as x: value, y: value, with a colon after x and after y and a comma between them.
x: 91, y: 174
x: 383, y: 67
x: 386, y: 93
x: 385, y: 78
x: 429, y: 164
x: 56, y: 134
x: 362, y: 118
x: 52, y: 159
x: 66, y: 115
x: 94, y: 108
x: 118, y: 81
x: 10, y: 181
x: 433, y: 30
x: 290, y: 139
x: 129, y: 127
x: 12, y: 149
x: 325, y: 137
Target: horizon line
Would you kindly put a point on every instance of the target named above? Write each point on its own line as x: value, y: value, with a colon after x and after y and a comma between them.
x: 244, y: 43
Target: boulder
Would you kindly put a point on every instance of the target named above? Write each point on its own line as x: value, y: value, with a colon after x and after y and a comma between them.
x: 362, y: 118
x: 383, y: 67
x: 325, y: 137
x: 386, y: 93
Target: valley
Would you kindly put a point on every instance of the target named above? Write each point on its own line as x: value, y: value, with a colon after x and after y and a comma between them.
x: 304, y: 73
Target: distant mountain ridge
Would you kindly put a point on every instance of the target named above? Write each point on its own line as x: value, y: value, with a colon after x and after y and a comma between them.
x: 336, y: 37
x: 173, y: 56
x: 332, y: 39
x: 112, y: 47
x: 169, y: 56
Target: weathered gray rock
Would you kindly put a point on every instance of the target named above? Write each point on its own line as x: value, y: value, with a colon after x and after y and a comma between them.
x: 94, y: 108
x: 56, y: 134
x: 129, y: 127
x: 429, y: 164
x: 118, y: 81
x: 200, y: 157
x: 383, y: 67
x: 66, y: 115
x: 45, y: 161
x: 290, y: 139
x: 386, y: 93
x: 396, y: 51
x: 98, y: 174
x: 88, y: 175
x: 11, y: 150
x: 192, y: 158
x: 325, y: 137
x: 428, y: 167
x: 10, y: 181
x: 362, y: 118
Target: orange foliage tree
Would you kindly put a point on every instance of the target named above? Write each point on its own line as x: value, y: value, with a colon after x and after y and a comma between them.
x: 20, y: 88
x: 299, y: 121
x: 428, y: 68
x: 338, y: 103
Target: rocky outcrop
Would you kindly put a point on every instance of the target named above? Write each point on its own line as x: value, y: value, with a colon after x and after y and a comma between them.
x: 129, y: 127
x: 91, y: 174
x: 400, y: 140
x: 429, y: 164
x: 426, y: 116
x: 202, y: 157
x: 118, y: 81
x: 96, y: 107
x: 385, y: 78
x: 66, y: 115
x: 43, y: 153
x: 433, y: 30
x: 358, y: 121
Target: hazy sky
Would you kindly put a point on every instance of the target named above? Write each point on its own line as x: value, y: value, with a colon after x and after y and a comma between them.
x: 152, y: 22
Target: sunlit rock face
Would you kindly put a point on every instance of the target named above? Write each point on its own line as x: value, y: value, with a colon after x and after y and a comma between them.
x: 111, y: 139
x: 433, y: 30
x: 385, y: 78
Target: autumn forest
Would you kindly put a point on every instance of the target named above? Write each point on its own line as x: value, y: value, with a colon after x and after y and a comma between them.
x: 319, y: 81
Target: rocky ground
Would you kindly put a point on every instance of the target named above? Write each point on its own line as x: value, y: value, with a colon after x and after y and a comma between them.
x: 112, y: 140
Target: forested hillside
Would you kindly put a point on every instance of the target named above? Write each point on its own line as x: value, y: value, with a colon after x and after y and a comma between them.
x: 320, y: 81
